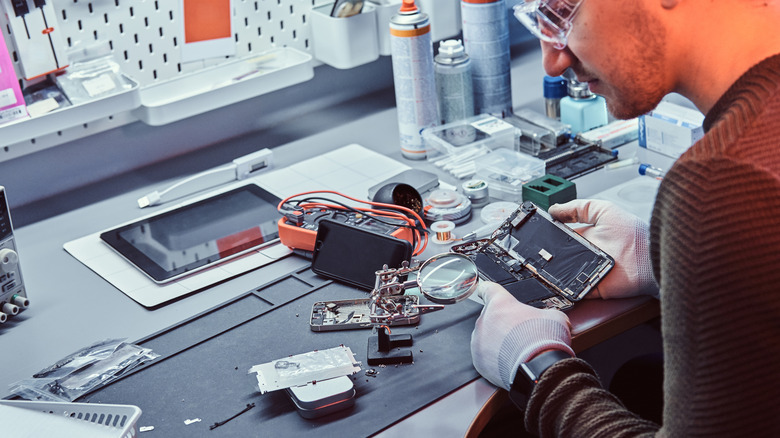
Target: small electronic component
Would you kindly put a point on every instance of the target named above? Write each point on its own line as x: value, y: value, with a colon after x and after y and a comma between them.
x: 540, y: 261
x: 577, y: 158
x: 356, y: 314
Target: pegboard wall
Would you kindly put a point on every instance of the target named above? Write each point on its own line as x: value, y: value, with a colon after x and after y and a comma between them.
x: 143, y: 37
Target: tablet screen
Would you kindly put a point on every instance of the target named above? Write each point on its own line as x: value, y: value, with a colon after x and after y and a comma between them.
x: 194, y: 236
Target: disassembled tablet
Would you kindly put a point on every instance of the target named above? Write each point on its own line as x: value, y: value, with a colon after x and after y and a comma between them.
x: 195, y: 236
x: 541, y: 261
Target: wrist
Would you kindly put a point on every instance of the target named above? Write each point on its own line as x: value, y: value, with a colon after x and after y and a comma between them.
x: 535, y: 351
x: 528, y: 374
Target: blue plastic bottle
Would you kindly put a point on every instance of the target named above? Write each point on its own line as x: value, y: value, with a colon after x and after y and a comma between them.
x: 582, y: 109
x: 555, y: 89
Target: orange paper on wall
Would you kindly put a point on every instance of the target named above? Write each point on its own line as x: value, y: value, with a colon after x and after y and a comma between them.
x: 206, y: 20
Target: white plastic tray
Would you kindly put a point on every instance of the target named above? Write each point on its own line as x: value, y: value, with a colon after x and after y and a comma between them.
x: 70, y: 116
x: 22, y: 419
x: 222, y: 85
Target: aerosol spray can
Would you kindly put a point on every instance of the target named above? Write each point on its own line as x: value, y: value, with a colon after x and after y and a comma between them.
x: 486, y: 38
x: 415, y: 86
x: 453, y: 82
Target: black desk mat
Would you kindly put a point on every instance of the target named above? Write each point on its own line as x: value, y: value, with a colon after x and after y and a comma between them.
x: 203, y: 368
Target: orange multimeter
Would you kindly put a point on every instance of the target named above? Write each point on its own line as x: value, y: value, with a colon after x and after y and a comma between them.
x: 299, y: 229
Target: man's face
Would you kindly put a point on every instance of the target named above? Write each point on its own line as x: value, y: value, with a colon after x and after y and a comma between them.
x: 618, y: 47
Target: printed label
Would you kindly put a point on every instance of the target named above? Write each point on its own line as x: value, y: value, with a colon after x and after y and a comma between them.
x: 7, y: 97
x: 98, y: 85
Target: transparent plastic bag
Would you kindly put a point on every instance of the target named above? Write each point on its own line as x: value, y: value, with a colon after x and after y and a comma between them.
x: 83, y: 371
x: 93, y: 77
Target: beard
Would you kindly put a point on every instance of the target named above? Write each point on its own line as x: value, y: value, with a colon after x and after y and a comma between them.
x: 633, y: 83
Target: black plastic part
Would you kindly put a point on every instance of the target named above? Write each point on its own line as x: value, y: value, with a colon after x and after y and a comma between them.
x: 20, y: 7
x: 386, y: 349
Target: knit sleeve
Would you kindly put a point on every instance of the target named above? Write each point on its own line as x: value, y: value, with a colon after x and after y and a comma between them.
x: 715, y: 244
x: 569, y: 402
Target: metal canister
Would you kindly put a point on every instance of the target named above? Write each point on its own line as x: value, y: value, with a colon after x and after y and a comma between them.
x: 453, y: 82
x: 413, y: 76
x: 486, y: 38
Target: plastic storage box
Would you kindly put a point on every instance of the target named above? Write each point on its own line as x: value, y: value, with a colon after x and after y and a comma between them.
x: 506, y: 171
x: 454, y: 146
x: 22, y: 418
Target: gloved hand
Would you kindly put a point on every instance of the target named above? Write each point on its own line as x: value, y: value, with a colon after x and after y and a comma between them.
x: 508, y: 333
x: 620, y: 234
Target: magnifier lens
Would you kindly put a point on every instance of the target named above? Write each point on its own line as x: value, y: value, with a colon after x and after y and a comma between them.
x: 448, y: 278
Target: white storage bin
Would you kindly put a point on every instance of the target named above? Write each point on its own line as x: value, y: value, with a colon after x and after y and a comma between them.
x: 385, y: 9
x: 345, y: 42
x: 22, y: 418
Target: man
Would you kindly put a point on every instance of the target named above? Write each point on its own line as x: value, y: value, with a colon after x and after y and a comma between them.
x: 714, y: 241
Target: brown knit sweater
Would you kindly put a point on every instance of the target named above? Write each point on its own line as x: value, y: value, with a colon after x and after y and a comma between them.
x: 715, y: 247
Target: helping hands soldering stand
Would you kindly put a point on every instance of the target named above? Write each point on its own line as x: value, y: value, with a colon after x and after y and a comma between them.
x: 383, y: 347
x: 443, y: 279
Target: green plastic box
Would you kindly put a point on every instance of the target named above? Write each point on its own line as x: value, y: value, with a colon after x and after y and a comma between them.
x: 548, y: 190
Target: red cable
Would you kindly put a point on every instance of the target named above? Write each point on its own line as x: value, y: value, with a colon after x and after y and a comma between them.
x: 422, y: 237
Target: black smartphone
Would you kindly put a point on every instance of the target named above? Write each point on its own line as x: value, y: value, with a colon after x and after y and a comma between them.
x: 352, y: 254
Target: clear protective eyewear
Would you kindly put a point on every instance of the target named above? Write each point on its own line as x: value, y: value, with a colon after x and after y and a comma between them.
x: 548, y: 20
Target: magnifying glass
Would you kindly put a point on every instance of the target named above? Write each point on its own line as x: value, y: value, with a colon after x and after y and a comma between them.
x: 447, y: 278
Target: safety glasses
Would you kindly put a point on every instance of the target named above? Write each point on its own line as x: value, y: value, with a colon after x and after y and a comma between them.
x: 548, y: 20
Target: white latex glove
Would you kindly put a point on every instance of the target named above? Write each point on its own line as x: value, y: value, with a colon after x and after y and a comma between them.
x: 620, y: 234
x: 508, y: 333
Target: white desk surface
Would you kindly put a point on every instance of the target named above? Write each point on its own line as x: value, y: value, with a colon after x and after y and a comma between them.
x: 71, y: 306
